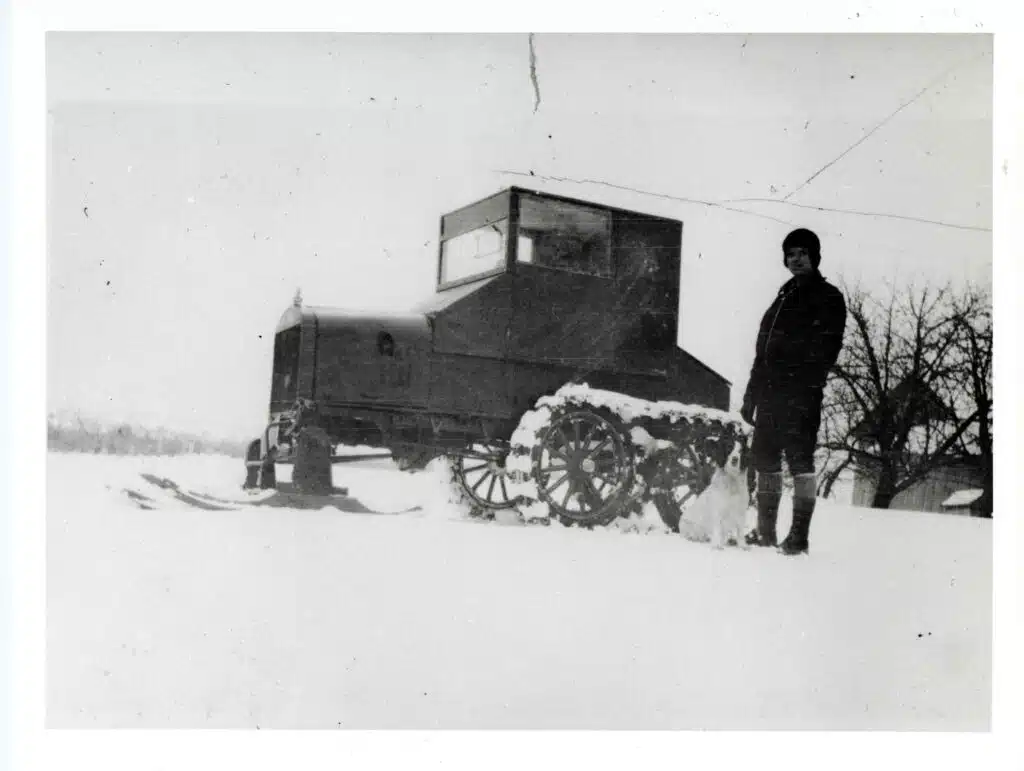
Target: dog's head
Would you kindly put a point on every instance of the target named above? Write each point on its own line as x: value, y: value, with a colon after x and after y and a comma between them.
x: 732, y: 458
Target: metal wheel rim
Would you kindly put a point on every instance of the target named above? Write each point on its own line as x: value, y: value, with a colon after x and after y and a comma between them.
x: 483, y: 477
x: 583, y: 467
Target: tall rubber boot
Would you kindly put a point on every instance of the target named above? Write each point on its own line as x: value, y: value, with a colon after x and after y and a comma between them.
x: 769, y: 493
x: 796, y: 541
x: 803, y: 510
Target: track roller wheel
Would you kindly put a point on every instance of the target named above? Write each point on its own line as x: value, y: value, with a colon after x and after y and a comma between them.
x: 481, y: 478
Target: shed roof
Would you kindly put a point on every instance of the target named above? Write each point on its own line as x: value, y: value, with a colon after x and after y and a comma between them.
x: 963, y: 498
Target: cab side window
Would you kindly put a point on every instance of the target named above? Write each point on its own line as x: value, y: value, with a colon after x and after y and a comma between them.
x: 566, y: 236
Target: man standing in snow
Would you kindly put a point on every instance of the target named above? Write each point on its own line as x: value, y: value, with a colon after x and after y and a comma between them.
x: 797, y: 344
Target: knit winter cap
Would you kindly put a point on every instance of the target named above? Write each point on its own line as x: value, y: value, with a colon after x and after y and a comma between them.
x: 808, y: 240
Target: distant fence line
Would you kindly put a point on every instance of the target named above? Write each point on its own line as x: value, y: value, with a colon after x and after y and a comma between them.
x: 132, y: 440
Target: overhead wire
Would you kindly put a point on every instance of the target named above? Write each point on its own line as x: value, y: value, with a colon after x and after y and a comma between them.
x: 725, y: 204
x: 856, y: 212
x: 682, y: 199
x: 931, y: 84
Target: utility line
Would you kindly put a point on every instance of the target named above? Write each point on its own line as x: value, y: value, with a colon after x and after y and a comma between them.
x: 907, y: 217
x: 683, y: 199
x: 888, y: 249
x: 724, y: 204
x: 945, y: 73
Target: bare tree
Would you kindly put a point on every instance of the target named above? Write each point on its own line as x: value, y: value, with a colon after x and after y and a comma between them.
x: 833, y: 463
x: 911, y: 389
x: 974, y: 376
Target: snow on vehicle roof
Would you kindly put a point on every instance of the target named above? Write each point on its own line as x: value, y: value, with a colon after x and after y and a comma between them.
x: 963, y: 498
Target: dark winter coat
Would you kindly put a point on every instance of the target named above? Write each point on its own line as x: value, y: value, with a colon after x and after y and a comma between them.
x: 798, y: 342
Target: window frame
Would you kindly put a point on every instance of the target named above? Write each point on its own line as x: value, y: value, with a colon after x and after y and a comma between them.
x: 507, y: 202
x: 503, y: 202
x: 500, y: 268
x: 611, y: 267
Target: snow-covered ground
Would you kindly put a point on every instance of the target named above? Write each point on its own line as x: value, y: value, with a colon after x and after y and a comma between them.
x: 176, y: 616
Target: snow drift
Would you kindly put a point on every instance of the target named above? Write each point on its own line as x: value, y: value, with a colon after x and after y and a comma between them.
x: 243, y: 616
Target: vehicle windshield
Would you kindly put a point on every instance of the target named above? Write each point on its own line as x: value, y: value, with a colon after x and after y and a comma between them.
x: 475, y: 253
x: 563, y: 235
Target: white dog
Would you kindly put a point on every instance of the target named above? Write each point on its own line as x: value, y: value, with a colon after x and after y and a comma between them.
x: 719, y: 514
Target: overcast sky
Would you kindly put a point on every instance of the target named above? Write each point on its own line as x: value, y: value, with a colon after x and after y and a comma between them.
x: 196, y: 180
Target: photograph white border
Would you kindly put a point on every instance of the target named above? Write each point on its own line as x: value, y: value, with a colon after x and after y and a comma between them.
x: 35, y: 747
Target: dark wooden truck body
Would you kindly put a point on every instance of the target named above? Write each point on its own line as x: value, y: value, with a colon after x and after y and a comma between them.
x: 534, y: 291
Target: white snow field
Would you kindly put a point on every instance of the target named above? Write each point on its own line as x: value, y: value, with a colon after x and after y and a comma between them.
x: 173, y: 616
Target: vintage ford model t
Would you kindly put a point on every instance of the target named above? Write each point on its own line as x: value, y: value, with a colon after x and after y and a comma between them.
x: 545, y: 367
